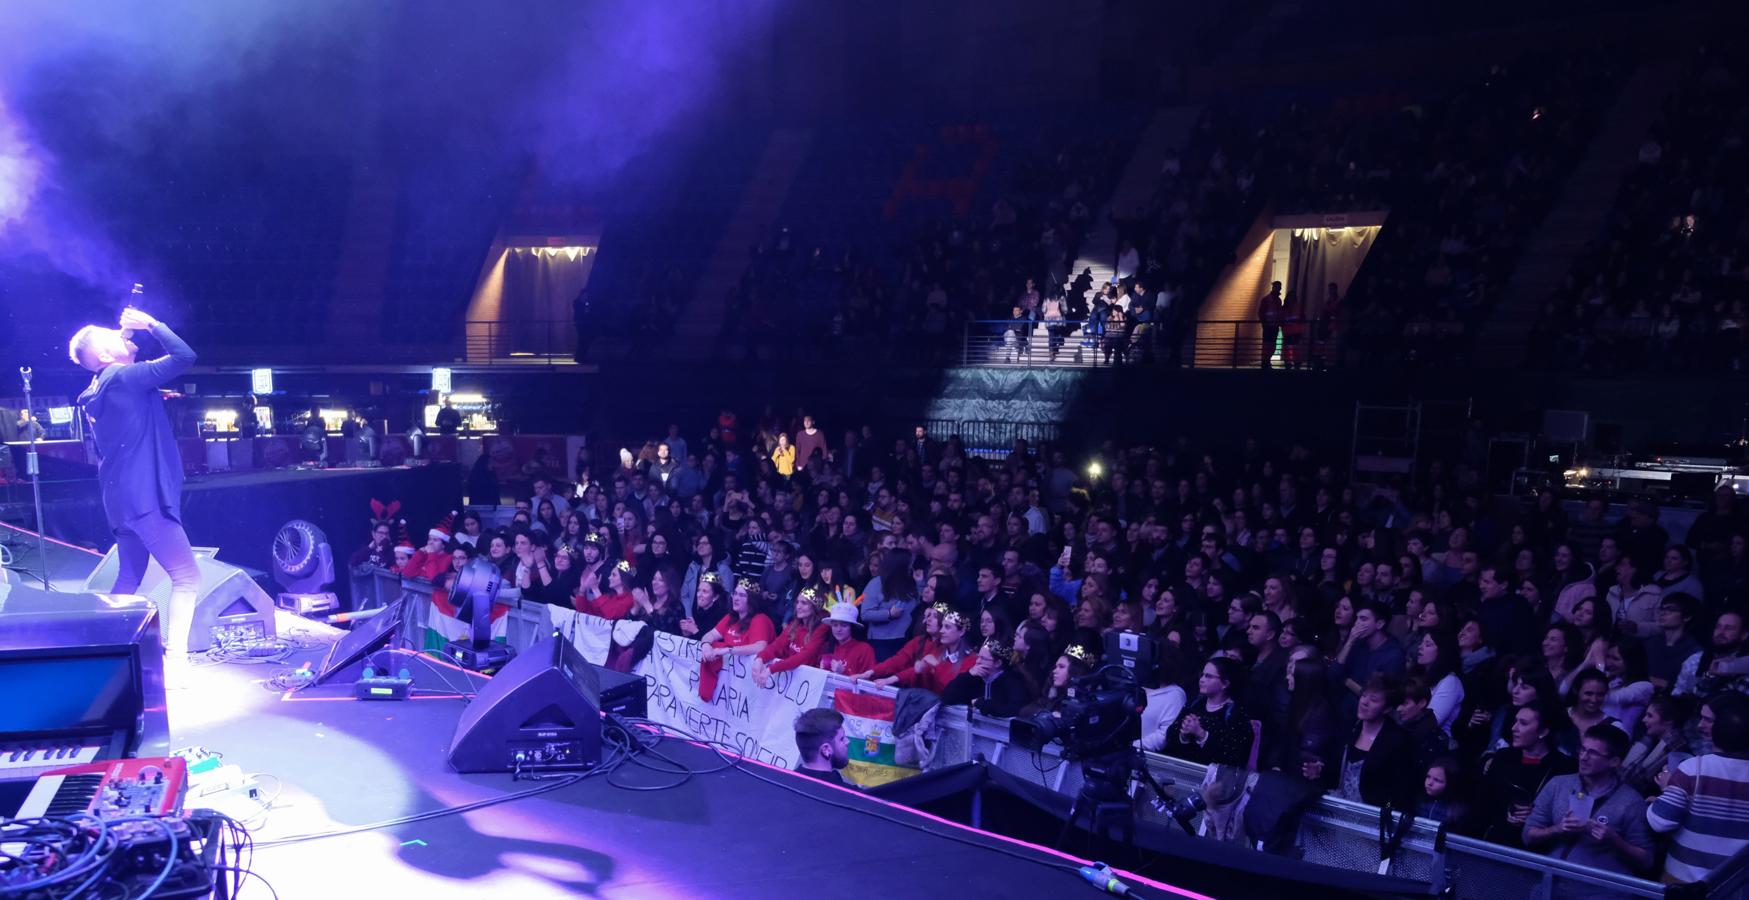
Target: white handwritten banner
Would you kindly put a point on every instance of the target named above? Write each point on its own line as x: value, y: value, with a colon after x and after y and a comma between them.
x: 592, y: 635
x: 757, y: 722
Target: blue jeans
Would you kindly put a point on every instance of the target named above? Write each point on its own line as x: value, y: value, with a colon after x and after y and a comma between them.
x: 158, y: 536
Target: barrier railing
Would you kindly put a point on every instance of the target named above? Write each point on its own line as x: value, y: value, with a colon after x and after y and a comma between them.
x: 519, y: 342
x: 1332, y: 832
x: 1246, y: 344
x: 1072, y: 343
x: 1201, y: 344
x: 989, y: 439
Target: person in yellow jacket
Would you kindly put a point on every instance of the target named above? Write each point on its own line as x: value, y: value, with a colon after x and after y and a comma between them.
x: 784, y: 457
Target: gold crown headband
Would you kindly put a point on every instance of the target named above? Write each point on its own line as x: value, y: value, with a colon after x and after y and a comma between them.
x: 810, y: 593
x: 711, y: 578
x: 1080, y: 653
x: 594, y: 537
x: 998, y: 650
x: 748, y: 585
x: 624, y: 565
x: 942, y: 609
x: 955, y: 618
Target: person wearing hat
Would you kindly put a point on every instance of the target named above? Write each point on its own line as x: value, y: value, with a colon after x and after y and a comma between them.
x: 403, y: 554
x: 841, y: 652
x: 743, y: 631
x: 803, y: 635
x: 1078, y: 661
x: 615, y: 599
x: 953, y: 657
x: 990, y: 687
x: 433, y: 559
x: 910, y: 657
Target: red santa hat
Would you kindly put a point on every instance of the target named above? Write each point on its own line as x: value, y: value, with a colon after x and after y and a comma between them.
x: 445, y: 529
x: 401, y: 535
x: 405, y: 548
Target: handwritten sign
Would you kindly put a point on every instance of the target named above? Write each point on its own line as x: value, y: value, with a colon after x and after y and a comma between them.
x: 754, y: 721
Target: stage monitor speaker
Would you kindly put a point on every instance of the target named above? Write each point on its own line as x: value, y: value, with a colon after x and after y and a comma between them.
x: 542, y: 711
x: 229, y: 607
x: 1566, y: 426
x: 364, y: 637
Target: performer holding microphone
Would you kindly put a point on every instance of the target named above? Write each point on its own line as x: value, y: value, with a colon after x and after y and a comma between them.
x: 139, y: 468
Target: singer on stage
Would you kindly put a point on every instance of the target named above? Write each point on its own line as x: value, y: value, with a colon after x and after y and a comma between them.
x: 139, y: 468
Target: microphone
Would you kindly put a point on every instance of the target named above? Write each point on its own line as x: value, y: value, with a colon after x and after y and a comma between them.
x: 25, y: 372
x: 127, y: 334
x: 1100, y: 876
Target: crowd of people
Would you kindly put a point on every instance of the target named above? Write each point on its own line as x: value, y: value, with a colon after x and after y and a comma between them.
x: 1562, y: 681
x: 1664, y: 285
x: 1467, y: 173
x: 908, y: 288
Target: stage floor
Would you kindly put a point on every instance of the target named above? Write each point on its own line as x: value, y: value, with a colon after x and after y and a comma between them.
x: 328, y: 763
x: 751, y: 831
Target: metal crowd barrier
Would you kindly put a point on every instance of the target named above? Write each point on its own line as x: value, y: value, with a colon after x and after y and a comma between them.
x: 992, y: 439
x: 1333, y: 832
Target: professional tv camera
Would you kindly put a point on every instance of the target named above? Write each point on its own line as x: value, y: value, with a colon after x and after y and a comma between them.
x: 1098, y: 725
x: 1102, y: 711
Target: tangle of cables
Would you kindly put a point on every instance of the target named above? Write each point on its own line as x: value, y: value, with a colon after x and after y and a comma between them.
x: 81, y: 856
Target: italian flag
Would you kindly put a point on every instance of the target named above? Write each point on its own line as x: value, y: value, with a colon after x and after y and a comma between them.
x: 442, y: 626
x: 868, y: 722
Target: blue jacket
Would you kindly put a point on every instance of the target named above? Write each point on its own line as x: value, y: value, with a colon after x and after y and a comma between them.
x: 876, y: 612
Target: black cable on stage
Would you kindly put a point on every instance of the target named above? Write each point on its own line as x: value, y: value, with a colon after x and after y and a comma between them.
x: 564, y: 781
x: 240, y: 873
x: 444, y: 676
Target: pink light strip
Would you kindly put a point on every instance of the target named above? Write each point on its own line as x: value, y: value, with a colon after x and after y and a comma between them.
x: 52, y: 540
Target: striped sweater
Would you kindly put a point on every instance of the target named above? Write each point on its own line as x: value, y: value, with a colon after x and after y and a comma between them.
x: 1707, y: 805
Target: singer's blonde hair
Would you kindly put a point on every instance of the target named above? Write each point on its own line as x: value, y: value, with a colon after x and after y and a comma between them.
x: 82, y: 341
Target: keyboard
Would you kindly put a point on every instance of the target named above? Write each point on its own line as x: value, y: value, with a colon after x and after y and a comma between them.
x: 113, y: 789
x: 28, y: 759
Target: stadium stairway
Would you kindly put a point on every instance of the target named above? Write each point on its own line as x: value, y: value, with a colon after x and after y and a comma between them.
x: 1577, y: 217
x: 761, y: 200
x: 1168, y: 130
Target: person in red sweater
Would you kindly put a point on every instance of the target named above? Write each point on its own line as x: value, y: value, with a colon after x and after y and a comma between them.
x: 432, y: 560
x: 925, y: 642
x: 840, y: 653
x: 617, y: 600
x: 955, y: 657
x: 403, y: 553
x: 743, y: 632
x: 801, y: 637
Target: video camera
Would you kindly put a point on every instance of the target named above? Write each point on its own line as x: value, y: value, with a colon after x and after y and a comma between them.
x: 1102, y: 711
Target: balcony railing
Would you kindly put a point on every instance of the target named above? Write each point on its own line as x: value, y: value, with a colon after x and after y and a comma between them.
x: 1202, y: 344
x: 520, y: 342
